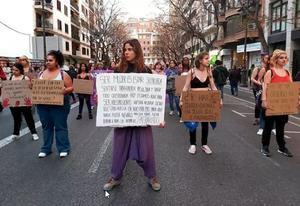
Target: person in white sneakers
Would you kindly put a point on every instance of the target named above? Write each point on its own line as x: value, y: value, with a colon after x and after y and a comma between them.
x: 200, y: 79
x: 17, y: 111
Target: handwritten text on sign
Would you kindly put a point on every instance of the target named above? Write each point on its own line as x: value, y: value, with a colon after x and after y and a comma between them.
x: 201, y: 106
x: 130, y: 99
x: 16, y: 93
x: 47, y: 92
x: 282, y: 99
x: 82, y: 86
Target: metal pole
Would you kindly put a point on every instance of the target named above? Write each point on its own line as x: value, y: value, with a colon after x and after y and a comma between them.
x: 44, y: 31
x: 245, y: 72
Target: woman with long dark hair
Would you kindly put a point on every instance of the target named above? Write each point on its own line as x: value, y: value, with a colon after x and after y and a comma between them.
x: 200, y: 79
x: 135, y: 143
x: 17, y: 112
x: 54, y: 117
x: 83, y: 73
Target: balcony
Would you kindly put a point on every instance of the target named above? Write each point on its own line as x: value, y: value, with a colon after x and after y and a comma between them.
x: 75, y: 20
x: 240, y: 35
x: 218, y: 43
x: 91, y: 5
x: 48, y: 8
x: 75, y: 33
x: 231, y: 12
x: 48, y: 25
x: 74, y: 5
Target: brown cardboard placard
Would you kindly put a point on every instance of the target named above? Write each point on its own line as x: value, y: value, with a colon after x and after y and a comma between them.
x: 83, y: 86
x: 16, y: 93
x: 282, y: 99
x: 179, y: 84
x: 201, y: 106
x: 47, y: 92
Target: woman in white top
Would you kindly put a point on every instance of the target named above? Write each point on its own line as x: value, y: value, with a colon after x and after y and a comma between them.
x: 54, y: 117
x: 17, y: 111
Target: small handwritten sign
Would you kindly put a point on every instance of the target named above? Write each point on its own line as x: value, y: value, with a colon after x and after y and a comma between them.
x: 179, y: 84
x: 282, y: 99
x: 16, y: 93
x: 82, y: 86
x: 47, y: 92
x: 201, y: 106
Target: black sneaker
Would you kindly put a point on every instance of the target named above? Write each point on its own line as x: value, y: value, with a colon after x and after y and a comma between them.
x: 285, y: 152
x: 79, y: 116
x: 90, y: 116
x: 265, y: 151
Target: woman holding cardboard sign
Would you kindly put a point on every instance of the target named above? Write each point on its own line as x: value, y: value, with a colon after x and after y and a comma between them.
x: 54, y: 117
x: 277, y: 74
x: 83, y: 73
x: 135, y: 143
x: 200, y: 79
x: 17, y: 111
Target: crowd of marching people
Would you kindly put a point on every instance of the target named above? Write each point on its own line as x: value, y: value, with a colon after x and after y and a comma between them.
x: 136, y: 143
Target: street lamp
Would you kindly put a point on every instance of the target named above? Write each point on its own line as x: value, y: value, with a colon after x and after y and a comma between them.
x: 43, y: 22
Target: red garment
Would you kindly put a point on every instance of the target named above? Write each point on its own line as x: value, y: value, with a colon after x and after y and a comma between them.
x: 2, y: 74
x: 279, y: 79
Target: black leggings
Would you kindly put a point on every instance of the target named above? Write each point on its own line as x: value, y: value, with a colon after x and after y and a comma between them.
x: 17, y: 115
x: 269, y: 125
x: 87, y: 99
x: 204, y: 127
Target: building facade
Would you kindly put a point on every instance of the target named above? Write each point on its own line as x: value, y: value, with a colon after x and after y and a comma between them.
x: 144, y: 30
x: 68, y: 25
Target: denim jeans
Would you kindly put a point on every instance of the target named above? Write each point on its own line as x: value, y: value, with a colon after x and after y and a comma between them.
x: 234, y: 88
x: 173, y: 98
x: 54, y: 118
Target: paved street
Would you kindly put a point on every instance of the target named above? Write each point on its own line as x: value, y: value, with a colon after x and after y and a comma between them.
x: 236, y: 173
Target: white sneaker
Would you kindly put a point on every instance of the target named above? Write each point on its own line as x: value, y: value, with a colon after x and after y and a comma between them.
x: 171, y: 113
x: 192, y: 149
x: 63, y: 154
x: 181, y: 121
x: 206, y: 149
x: 35, y: 137
x: 260, y: 132
x: 15, y: 137
x: 42, y: 154
x: 274, y: 131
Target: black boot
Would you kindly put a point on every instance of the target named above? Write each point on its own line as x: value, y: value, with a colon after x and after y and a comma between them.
x: 79, y: 116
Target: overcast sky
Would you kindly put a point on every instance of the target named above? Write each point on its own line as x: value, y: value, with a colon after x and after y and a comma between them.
x: 18, y: 14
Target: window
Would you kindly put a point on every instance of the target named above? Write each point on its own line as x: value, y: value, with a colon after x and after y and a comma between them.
x: 88, y: 52
x: 67, y: 46
x: 66, y: 10
x: 83, y: 51
x: 279, y: 16
x: 297, y: 22
x: 67, y: 28
x: 59, y: 27
x: 58, y: 3
x: 83, y: 37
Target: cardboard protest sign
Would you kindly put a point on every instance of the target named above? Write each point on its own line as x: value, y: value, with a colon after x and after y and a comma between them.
x: 282, y: 99
x: 16, y: 93
x: 82, y: 86
x: 47, y: 92
x: 130, y: 99
x: 179, y: 84
x: 201, y: 106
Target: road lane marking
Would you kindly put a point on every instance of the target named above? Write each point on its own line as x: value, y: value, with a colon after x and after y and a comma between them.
x: 292, y: 132
x: 96, y: 163
x: 238, y: 113
x: 287, y: 137
x: 7, y: 140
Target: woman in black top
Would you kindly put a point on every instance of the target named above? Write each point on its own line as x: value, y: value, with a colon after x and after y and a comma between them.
x: 84, y: 74
x: 200, y: 79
